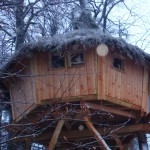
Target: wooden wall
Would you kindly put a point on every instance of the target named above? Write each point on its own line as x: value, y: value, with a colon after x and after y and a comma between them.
x: 97, y: 77
x: 69, y: 82
x: 22, y: 91
x: 129, y: 85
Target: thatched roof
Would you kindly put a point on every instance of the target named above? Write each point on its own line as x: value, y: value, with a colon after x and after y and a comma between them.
x: 86, y: 37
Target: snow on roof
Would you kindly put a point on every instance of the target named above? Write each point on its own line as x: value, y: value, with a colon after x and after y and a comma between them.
x: 86, y: 37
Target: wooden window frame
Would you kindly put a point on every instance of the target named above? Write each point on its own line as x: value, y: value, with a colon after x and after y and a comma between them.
x: 69, y: 58
x: 51, y: 54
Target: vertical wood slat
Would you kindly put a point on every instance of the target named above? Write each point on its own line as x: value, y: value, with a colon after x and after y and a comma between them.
x: 50, y: 84
x: 124, y: 85
x: 43, y: 73
x: 134, y: 90
x: 106, y: 78
x: 103, y: 78
x: 95, y: 56
x: 113, y: 87
x: 83, y: 81
x: 56, y: 83
x: 129, y: 78
x: 22, y: 91
x: 138, y: 87
x: 33, y: 72
x: 89, y: 72
x: 38, y: 79
x: 78, y: 81
x: 91, y: 75
x: 72, y: 76
x: 120, y: 85
x: 100, y: 79
x: 145, y: 89
x: 12, y: 100
x: 64, y: 84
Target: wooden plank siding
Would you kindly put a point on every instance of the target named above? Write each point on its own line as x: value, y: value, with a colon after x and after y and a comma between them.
x: 96, y: 78
x: 125, y: 85
x: 22, y: 91
x: 54, y: 83
x: 145, y: 90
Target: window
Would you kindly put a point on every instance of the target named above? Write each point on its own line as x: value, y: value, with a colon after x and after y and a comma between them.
x: 60, y: 60
x: 118, y: 63
x: 76, y: 59
x: 57, y: 60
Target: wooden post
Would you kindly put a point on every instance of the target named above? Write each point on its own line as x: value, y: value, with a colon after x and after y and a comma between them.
x: 118, y: 141
x: 56, y: 134
x: 96, y: 133
x: 142, y: 141
x: 145, y: 90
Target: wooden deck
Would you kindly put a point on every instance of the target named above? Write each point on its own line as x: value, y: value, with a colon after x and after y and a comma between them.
x: 39, y: 124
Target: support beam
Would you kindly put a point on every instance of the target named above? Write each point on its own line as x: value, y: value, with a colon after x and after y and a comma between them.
x: 118, y: 141
x: 127, y: 141
x: 110, y: 110
x: 122, y: 103
x: 72, y: 134
x: 131, y: 129
x: 99, y: 138
x: 56, y: 134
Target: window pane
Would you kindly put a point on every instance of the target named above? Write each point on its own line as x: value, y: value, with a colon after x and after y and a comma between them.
x: 58, y: 61
x: 77, y: 59
x: 118, y: 63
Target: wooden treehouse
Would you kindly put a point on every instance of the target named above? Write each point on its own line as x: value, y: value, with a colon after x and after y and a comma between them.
x: 81, y: 87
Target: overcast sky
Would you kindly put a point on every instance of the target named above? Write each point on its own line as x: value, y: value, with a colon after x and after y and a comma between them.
x: 139, y: 21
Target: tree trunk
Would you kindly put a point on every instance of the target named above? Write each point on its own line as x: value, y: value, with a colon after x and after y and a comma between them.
x: 20, y: 35
x: 104, y: 16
